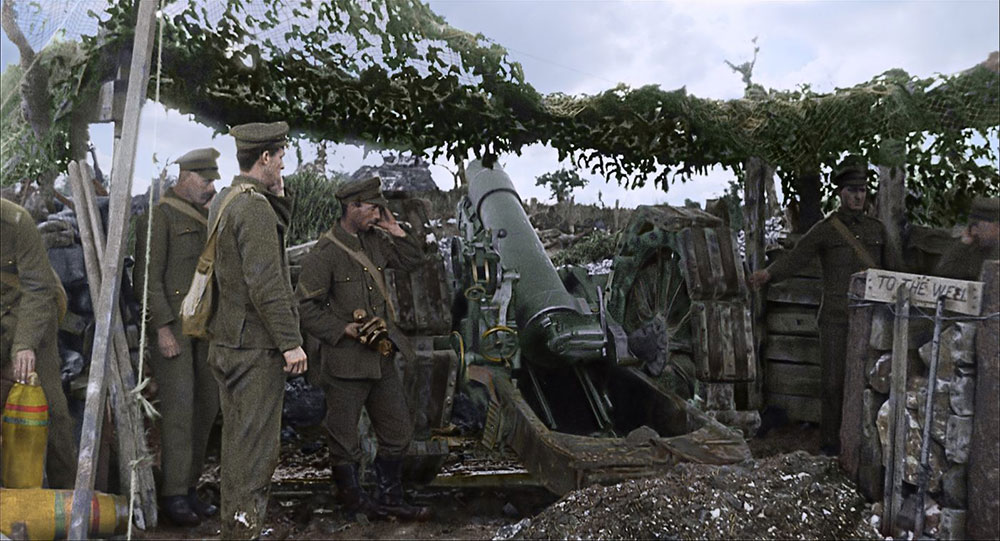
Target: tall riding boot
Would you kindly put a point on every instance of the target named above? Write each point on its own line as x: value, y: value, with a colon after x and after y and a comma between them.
x: 389, y: 477
x: 354, y: 499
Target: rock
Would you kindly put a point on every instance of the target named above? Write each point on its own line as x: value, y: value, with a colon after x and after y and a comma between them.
x: 916, y: 401
x: 878, y: 377
x: 641, y: 436
x: 746, y: 421
x: 510, y: 511
x: 952, y: 524
x: 719, y: 396
x: 914, y: 434
x: 958, y: 438
x: 870, y: 469
x: 963, y: 395
x: 954, y: 491
x: 955, y: 350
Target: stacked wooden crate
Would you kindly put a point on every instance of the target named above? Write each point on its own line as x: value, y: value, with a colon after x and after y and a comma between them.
x: 791, y: 349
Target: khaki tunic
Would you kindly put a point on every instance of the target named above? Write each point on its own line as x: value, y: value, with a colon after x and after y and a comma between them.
x: 965, y: 261
x: 188, y: 392
x: 839, y: 261
x: 28, y: 320
x: 255, y: 320
x: 332, y: 285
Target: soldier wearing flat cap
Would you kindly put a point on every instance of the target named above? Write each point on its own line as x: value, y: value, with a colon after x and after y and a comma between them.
x: 847, y: 241
x: 980, y: 241
x: 189, y: 395
x: 254, y: 331
x: 342, y: 287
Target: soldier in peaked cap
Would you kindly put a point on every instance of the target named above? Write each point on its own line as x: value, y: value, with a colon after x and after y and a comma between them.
x: 189, y: 395
x: 342, y: 275
x: 980, y: 241
x: 846, y: 241
x: 254, y: 331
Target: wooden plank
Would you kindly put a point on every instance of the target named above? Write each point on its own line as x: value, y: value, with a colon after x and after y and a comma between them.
x: 793, y: 379
x: 805, y: 291
x: 893, y: 491
x: 797, y: 349
x: 798, y: 408
x: 961, y: 296
x: 795, y: 320
x: 984, y: 455
x: 104, y: 311
x: 863, y: 470
x: 757, y: 172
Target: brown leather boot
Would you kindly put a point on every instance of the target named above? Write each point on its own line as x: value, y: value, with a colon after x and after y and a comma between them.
x: 354, y: 499
x: 389, y: 478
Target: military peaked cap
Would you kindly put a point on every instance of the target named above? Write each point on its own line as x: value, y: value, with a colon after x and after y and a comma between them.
x: 986, y: 209
x: 201, y: 161
x: 259, y: 134
x: 851, y: 171
x: 368, y: 190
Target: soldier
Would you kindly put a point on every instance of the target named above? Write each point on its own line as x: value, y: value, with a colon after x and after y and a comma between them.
x: 846, y: 241
x: 255, y: 326
x: 189, y: 395
x: 980, y: 241
x: 31, y: 298
x: 340, y: 289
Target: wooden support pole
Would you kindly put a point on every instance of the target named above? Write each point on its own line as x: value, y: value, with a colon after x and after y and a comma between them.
x: 757, y: 173
x: 893, y: 487
x: 890, y: 200
x: 104, y: 311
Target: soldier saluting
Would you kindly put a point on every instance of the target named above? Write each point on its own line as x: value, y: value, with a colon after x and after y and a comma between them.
x: 847, y: 241
x: 189, y: 395
x: 344, y: 304
x: 980, y: 241
x: 255, y: 327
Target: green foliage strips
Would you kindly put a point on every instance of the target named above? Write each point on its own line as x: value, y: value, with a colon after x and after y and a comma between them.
x: 594, y: 247
x: 316, y: 206
x: 561, y: 183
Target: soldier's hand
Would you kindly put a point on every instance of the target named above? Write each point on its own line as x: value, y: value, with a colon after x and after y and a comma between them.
x: 24, y: 364
x: 167, y: 343
x: 387, y: 222
x: 353, y: 330
x: 759, y: 278
x: 295, y: 361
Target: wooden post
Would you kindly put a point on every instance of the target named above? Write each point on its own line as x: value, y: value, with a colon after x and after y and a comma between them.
x: 890, y: 201
x: 104, y: 311
x: 984, y: 455
x: 893, y: 497
x: 755, y: 206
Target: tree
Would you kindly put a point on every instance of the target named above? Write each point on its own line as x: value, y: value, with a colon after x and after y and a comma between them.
x: 561, y: 183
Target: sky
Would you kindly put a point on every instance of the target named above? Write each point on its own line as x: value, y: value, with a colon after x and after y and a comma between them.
x: 585, y: 47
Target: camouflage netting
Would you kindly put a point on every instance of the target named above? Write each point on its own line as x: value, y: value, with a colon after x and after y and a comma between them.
x: 391, y: 73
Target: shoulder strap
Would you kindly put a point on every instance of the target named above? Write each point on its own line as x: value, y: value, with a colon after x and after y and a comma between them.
x: 207, y: 259
x: 866, y: 258
x: 367, y: 264
x: 185, y: 209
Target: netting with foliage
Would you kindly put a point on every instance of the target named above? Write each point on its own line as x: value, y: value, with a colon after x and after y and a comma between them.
x: 391, y: 73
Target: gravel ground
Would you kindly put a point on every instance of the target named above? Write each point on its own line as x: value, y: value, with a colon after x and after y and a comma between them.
x: 790, y: 496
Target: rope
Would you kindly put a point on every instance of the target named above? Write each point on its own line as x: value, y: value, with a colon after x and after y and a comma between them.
x: 140, y: 375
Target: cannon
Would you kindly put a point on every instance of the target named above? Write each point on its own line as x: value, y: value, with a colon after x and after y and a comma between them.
x: 565, y: 391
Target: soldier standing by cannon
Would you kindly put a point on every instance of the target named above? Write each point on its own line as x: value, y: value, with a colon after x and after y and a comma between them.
x: 30, y: 295
x: 345, y: 305
x: 189, y: 395
x: 255, y: 336
x: 846, y: 241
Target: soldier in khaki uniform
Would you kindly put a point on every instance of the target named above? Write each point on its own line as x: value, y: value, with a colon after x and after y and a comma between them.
x: 846, y: 241
x: 980, y: 241
x: 30, y: 294
x: 334, y: 284
x: 255, y: 326
x: 189, y: 395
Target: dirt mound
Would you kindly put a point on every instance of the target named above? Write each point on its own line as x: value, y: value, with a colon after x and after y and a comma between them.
x: 788, y: 496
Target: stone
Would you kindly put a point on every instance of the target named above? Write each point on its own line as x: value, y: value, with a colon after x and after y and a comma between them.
x: 955, y: 350
x: 870, y: 471
x: 958, y: 438
x: 878, y: 377
x: 719, y: 396
x: 954, y: 487
x: 641, y: 436
x: 916, y: 401
x: 963, y: 395
x: 911, y: 465
x: 952, y: 524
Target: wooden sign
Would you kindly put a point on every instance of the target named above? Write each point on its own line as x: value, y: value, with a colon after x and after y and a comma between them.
x: 960, y: 296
